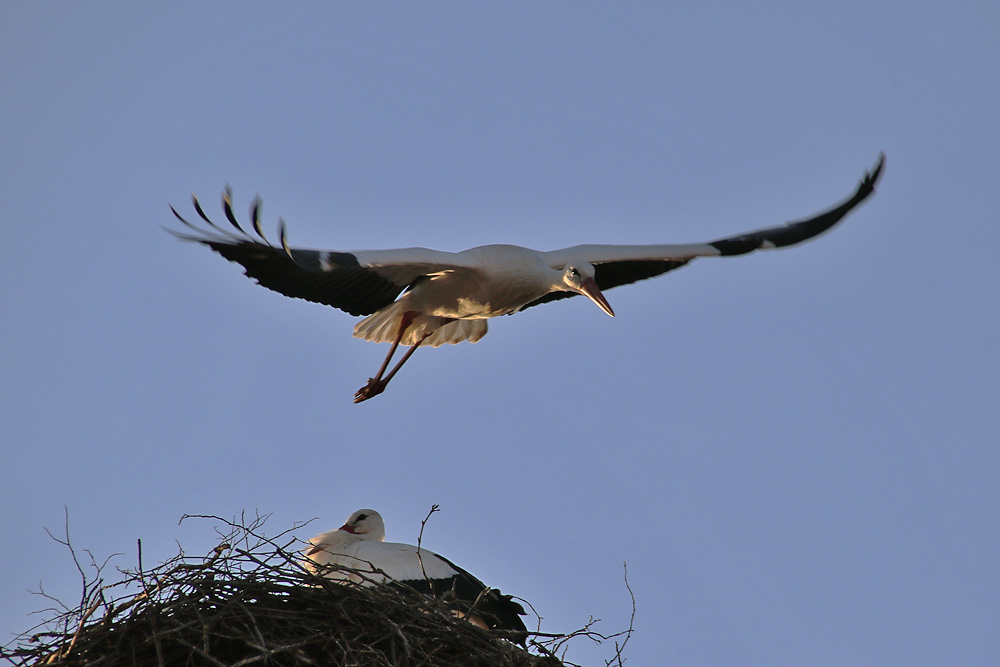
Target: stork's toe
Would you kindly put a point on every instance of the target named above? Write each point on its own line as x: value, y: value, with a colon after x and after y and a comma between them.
x: 373, y: 388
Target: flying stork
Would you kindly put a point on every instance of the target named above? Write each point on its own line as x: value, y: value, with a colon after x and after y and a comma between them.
x: 356, y: 553
x: 448, y: 296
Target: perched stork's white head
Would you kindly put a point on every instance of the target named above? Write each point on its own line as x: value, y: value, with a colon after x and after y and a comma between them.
x: 579, y: 277
x: 366, y: 524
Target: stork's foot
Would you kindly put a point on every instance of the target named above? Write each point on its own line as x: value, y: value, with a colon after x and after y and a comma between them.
x: 373, y: 388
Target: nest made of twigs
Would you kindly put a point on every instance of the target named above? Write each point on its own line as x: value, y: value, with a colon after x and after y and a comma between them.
x: 250, y: 602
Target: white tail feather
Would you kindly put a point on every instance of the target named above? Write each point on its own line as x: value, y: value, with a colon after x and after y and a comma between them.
x: 382, y: 327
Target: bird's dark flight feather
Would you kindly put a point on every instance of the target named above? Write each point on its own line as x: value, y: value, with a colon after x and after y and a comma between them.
x: 801, y: 230
x: 341, y: 282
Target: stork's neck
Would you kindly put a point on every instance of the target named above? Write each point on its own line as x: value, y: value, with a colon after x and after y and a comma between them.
x: 557, y: 281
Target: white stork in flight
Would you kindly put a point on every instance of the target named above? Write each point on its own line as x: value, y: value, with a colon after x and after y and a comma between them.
x: 356, y: 553
x: 448, y: 296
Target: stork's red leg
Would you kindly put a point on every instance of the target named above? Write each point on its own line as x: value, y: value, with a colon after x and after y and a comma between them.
x: 409, y: 353
x: 404, y: 322
x: 376, y: 385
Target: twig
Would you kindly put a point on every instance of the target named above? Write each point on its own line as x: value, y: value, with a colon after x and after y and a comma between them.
x: 631, y: 623
x: 420, y: 539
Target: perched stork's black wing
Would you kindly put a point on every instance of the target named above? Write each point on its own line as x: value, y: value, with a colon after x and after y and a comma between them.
x: 330, y: 278
x: 621, y: 264
x: 496, y: 609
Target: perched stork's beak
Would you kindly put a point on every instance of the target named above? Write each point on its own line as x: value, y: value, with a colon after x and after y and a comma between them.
x: 349, y: 529
x: 590, y: 290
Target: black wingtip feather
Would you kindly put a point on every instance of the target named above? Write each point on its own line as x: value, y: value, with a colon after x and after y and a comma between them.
x: 177, y: 215
x: 872, y: 177
x: 283, y: 237
x: 227, y: 205
x: 200, y: 211
x: 255, y: 218
x: 866, y: 186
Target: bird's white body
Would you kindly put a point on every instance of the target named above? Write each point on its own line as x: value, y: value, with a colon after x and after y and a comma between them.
x: 455, y: 301
x: 340, y: 555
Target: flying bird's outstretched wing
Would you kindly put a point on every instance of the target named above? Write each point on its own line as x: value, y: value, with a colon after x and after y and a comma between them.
x: 359, y: 283
x: 624, y: 264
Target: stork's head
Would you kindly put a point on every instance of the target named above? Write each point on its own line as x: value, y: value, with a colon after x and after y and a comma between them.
x: 366, y: 524
x: 579, y: 277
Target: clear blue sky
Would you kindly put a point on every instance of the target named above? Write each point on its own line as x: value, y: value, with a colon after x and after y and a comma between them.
x: 796, y: 452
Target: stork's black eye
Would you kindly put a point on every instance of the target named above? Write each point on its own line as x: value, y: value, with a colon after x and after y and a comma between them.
x: 361, y: 517
x: 574, y: 271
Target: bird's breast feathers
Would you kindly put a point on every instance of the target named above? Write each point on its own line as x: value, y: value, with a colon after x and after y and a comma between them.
x: 471, y: 295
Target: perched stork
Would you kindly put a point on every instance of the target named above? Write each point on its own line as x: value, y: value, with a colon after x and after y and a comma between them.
x: 356, y: 553
x: 448, y: 296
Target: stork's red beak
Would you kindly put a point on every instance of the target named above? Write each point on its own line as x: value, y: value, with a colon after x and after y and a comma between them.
x: 590, y: 290
x: 349, y: 529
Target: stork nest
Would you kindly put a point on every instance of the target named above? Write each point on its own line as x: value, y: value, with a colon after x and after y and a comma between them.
x: 249, y: 601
